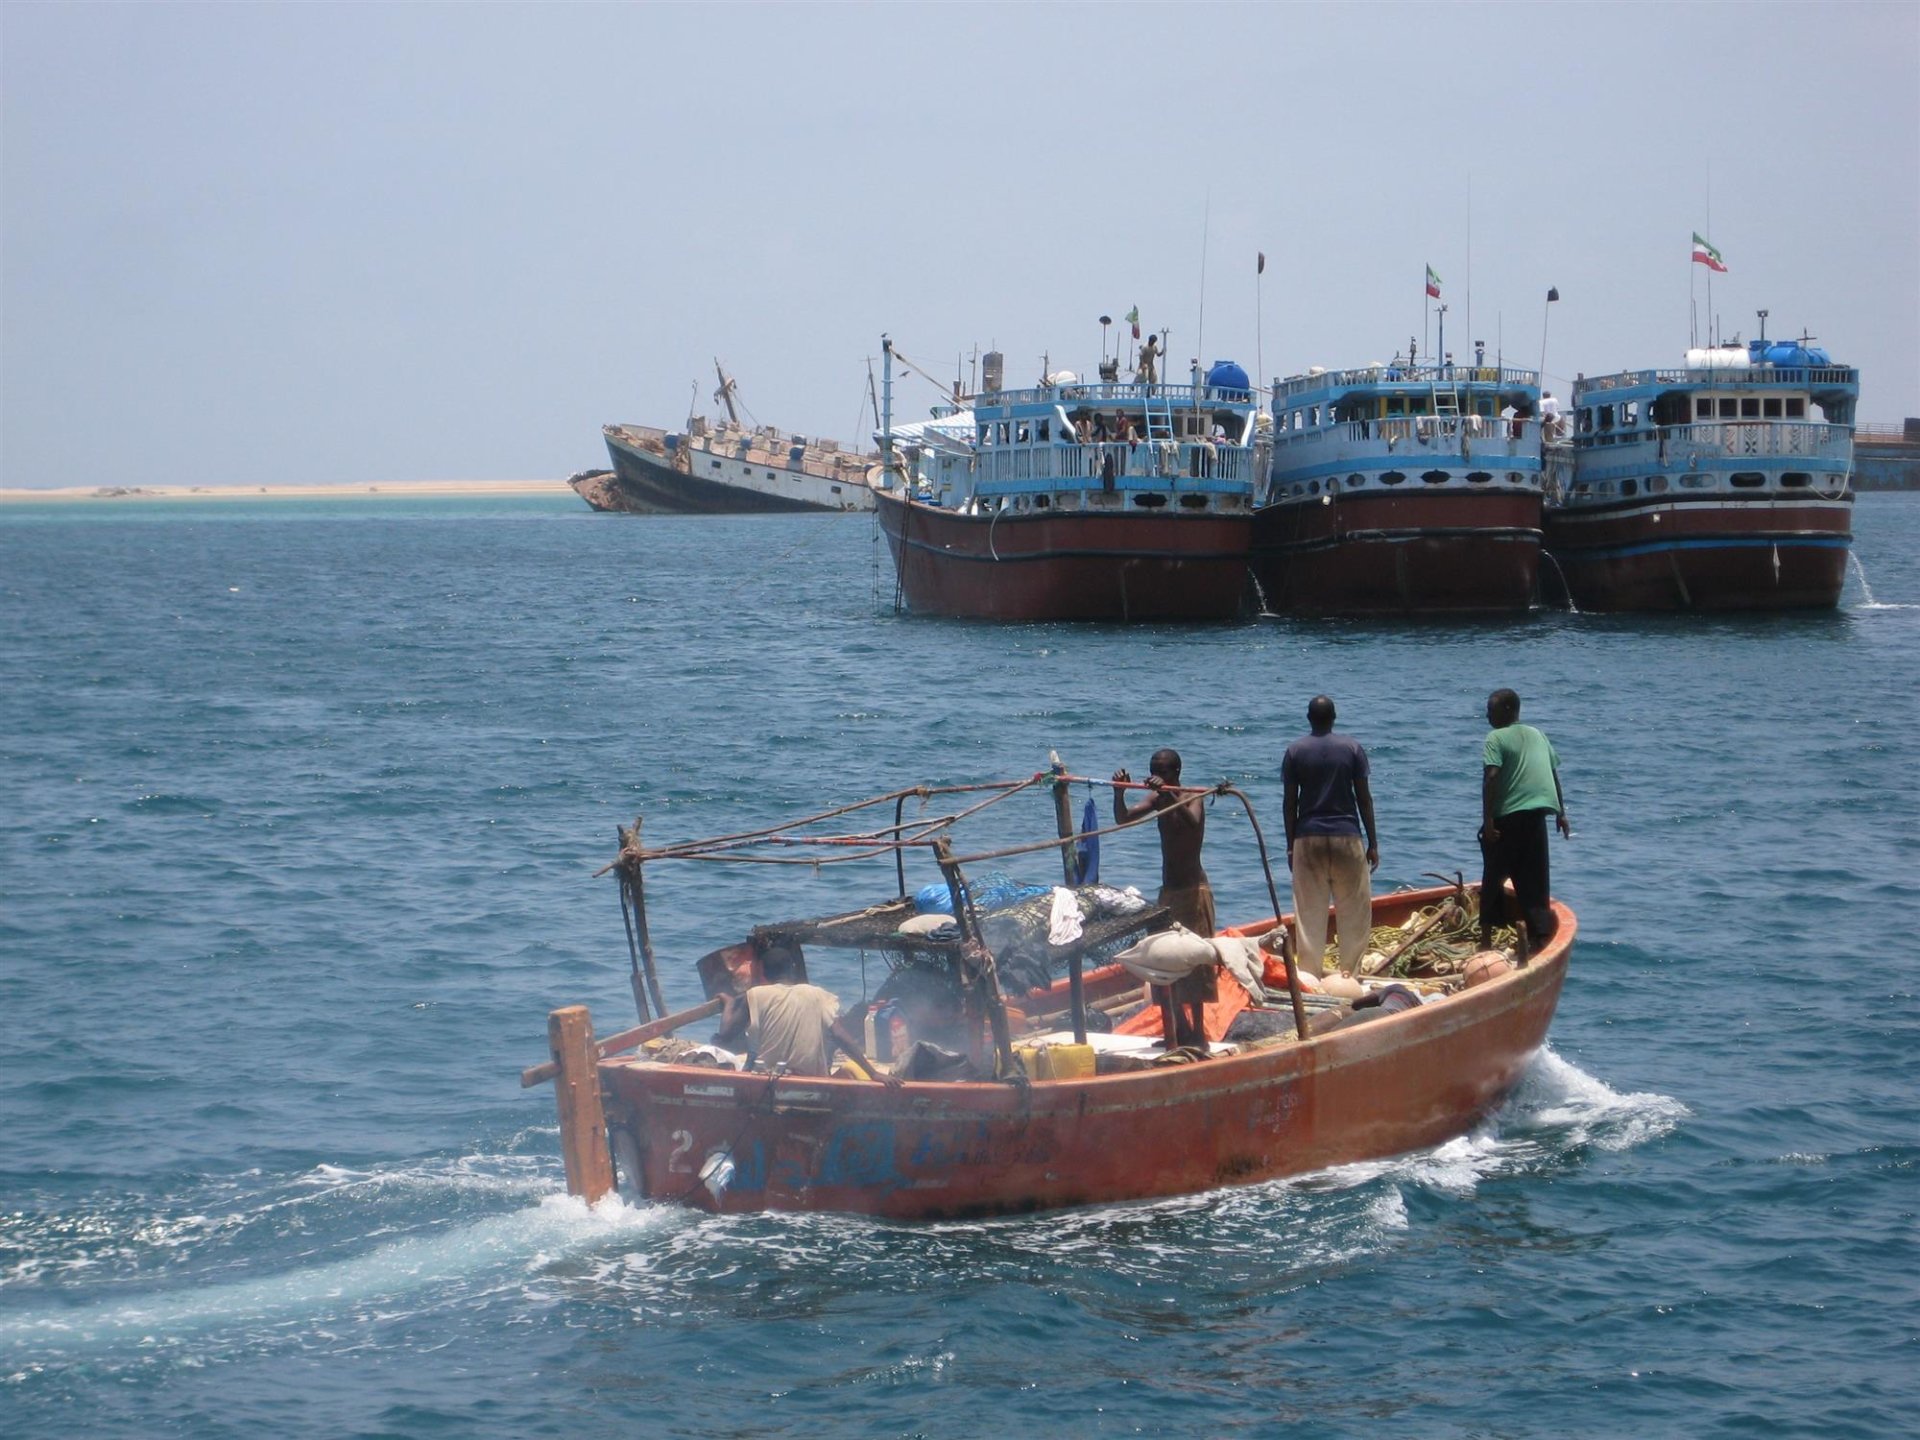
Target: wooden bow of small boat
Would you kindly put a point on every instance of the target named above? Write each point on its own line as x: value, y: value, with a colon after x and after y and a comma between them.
x: 732, y: 1141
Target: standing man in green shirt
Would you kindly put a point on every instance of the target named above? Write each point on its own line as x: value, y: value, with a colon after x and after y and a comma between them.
x: 1519, y: 788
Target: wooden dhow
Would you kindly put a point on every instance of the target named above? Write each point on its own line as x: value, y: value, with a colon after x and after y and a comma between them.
x: 1115, y: 499
x: 1312, y: 1083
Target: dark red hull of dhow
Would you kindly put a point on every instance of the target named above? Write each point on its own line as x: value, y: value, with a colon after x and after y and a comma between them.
x: 1458, y: 552
x: 1119, y: 564
x: 1679, y: 554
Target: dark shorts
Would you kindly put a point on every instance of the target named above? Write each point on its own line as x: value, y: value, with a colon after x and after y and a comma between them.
x: 1519, y: 855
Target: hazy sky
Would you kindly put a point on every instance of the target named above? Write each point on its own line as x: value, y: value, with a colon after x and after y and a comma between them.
x: 360, y: 243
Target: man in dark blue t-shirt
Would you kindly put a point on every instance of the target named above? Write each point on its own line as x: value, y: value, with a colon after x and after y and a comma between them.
x: 1327, y: 803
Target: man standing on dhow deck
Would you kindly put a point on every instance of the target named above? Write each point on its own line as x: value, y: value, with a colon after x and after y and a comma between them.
x: 1519, y: 788
x: 1328, y: 799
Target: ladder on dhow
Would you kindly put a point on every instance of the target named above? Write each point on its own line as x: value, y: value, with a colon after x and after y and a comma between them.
x: 1159, y: 415
x: 1446, y: 403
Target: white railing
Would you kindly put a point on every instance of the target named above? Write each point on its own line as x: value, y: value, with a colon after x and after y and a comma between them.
x: 1114, y: 392
x: 1444, y: 375
x: 1799, y: 376
x: 1426, y: 433
x: 1156, y: 461
x: 1830, y: 442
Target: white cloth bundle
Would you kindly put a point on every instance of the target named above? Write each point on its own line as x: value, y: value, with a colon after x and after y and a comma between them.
x: 1063, y: 924
x: 1169, y: 955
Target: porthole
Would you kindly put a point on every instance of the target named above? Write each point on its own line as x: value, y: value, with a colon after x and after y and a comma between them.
x: 1514, y: 477
x: 1354, y: 482
x: 1393, y: 477
x: 1795, y: 480
x: 1435, y: 477
x: 1313, y: 487
x: 1479, y: 477
x: 1748, y: 480
x: 1656, y: 484
x: 1149, y: 501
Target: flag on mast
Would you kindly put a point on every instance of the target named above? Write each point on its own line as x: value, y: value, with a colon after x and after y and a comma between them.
x: 1133, y: 319
x: 1705, y: 254
x: 1433, y: 283
x: 1260, y: 266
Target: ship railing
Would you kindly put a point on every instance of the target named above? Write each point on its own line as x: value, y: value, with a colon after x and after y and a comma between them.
x: 1811, y: 377
x: 1115, y: 393
x: 1815, y: 441
x: 1505, y: 376
x: 1155, y: 460
x: 1480, y: 434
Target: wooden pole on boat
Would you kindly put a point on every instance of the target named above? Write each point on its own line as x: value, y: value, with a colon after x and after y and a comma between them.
x: 1070, y: 864
x: 576, y: 1094
x: 1063, y: 821
x: 1293, y: 980
x: 637, y: 887
x: 978, y: 976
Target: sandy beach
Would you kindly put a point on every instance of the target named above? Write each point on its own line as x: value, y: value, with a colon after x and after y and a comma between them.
x: 403, y: 489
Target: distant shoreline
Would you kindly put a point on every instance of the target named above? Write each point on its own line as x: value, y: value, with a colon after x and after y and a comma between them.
x: 400, y: 489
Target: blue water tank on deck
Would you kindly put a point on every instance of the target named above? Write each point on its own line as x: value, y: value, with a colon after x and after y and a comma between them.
x: 1227, y: 375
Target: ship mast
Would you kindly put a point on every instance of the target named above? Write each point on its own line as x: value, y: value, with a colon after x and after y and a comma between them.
x: 724, y: 395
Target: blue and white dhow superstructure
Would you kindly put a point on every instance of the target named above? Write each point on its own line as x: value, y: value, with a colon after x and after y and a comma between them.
x: 1721, y: 485
x: 1402, y: 488
x: 725, y: 467
x: 1114, y: 499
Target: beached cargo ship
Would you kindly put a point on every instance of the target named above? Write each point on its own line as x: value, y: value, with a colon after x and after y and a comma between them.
x: 725, y: 467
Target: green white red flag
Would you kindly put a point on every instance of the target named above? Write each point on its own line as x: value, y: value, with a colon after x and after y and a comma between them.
x: 1705, y: 254
x: 1433, y: 283
x: 1133, y: 319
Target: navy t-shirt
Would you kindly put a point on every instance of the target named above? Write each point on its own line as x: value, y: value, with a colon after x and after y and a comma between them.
x: 1325, y: 767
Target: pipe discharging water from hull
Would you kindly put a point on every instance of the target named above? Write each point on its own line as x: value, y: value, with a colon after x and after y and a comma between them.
x: 1565, y: 589
x: 1860, y: 574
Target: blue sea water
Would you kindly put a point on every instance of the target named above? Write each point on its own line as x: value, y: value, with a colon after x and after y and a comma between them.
x: 301, y: 810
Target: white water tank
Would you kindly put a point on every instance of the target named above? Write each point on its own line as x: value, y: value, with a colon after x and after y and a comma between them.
x: 1719, y: 357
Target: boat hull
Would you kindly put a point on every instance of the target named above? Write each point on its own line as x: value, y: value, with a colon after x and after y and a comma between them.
x: 1676, y: 554
x: 1081, y: 565
x: 1401, y: 1083
x: 648, y: 484
x: 1379, y: 553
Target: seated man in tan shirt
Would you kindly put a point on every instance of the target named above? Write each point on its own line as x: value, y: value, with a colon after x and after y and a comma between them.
x: 789, y: 1025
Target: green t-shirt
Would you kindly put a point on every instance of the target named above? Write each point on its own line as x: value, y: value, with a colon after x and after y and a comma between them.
x: 1526, y: 761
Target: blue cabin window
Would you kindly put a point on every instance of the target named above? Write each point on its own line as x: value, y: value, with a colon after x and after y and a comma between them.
x: 1703, y: 409
x: 1750, y: 408
x: 1796, y: 409
x: 1771, y: 408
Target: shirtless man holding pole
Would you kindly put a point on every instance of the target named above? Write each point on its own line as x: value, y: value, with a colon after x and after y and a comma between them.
x: 1183, y: 883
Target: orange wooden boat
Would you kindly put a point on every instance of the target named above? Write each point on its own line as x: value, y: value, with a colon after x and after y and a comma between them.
x: 1341, y: 1087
